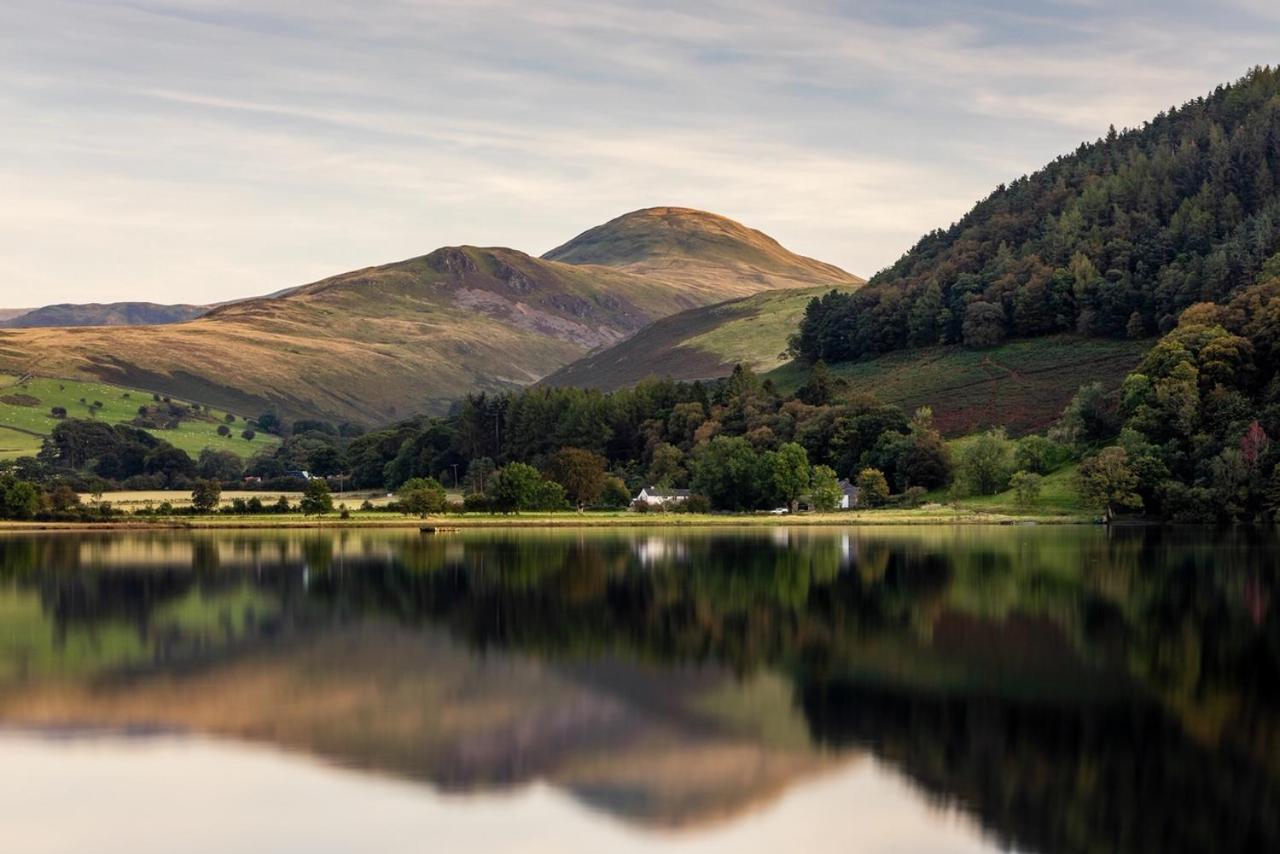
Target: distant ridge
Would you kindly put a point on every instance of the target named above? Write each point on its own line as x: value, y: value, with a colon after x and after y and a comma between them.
x: 100, y: 314
x: 381, y: 343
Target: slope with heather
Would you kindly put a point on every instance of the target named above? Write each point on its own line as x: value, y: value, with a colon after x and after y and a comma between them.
x: 1022, y: 386
x: 388, y: 341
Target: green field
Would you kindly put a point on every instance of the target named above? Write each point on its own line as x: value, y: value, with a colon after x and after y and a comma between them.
x: 25, y: 416
x: 15, y: 443
x: 1022, y: 386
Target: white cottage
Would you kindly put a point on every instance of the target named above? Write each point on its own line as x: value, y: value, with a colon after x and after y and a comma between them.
x: 657, y: 497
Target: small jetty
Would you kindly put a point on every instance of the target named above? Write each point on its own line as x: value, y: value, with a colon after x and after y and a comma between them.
x: 437, y: 529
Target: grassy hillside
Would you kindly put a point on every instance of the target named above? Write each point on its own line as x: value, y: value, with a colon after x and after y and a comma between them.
x: 110, y: 314
x: 381, y: 343
x: 701, y: 343
x: 25, y: 416
x: 1022, y: 385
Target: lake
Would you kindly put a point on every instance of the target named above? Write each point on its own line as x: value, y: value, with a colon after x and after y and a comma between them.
x: 932, y: 689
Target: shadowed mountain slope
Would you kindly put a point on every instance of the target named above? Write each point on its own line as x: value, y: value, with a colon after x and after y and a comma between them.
x: 701, y: 343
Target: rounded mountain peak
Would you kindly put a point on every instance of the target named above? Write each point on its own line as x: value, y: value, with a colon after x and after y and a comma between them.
x: 663, y: 237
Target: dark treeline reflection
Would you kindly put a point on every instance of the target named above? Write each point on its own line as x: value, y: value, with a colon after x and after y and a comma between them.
x: 1076, y: 690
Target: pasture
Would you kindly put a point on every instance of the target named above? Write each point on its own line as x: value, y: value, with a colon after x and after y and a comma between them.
x: 26, y: 408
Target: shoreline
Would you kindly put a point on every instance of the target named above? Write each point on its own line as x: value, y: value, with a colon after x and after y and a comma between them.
x: 449, y: 523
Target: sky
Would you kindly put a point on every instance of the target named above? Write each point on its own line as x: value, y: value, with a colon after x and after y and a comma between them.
x: 202, y: 150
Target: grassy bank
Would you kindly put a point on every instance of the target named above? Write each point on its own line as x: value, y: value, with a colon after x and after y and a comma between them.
x: 930, y: 515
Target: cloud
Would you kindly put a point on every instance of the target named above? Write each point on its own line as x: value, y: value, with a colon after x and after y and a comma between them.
x: 200, y: 150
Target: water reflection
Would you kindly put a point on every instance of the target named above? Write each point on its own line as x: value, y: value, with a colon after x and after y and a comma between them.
x: 1070, y: 689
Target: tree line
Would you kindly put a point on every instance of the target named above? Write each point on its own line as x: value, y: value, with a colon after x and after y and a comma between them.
x: 738, y: 444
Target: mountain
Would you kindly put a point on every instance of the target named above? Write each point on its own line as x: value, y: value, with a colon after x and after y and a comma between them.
x: 412, y: 705
x: 697, y: 250
x: 96, y: 314
x: 10, y: 313
x: 701, y: 343
x: 1112, y: 240
x: 384, y: 342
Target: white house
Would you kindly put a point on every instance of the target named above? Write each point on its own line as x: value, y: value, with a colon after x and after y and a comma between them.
x: 656, y: 497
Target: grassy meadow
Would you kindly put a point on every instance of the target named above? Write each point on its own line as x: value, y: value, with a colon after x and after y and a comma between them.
x: 25, y: 416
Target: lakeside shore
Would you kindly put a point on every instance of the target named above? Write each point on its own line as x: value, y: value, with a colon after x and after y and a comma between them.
x: 470, y: 521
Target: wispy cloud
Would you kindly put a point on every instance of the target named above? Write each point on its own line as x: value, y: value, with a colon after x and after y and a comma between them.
x: 200, y: 149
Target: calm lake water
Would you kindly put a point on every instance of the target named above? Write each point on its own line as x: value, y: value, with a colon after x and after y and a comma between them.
x: 883, y: 690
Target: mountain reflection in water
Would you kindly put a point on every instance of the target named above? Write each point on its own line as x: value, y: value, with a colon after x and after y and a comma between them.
x: 1068, y: 689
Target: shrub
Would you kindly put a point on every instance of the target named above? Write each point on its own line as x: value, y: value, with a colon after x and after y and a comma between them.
x: 316, y: 500
x: 421, y: 495
x: 19, y: 499
x: 205, y: 495
x: 824, y: 489
x: 697, y: 504
x: 873, y: 488
x: 248, y: 434
x: 984, y: 464
x: 224, y: 430
x: 476, y: 502
x: 615, y: 494
x: 1039, y: 454
x: 580, y: 472
x: 1108, y: 483
x: 1026, y: 487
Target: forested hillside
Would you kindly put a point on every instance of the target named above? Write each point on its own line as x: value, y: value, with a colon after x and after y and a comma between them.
x: 1199, y: 414
x: 1112, y: 240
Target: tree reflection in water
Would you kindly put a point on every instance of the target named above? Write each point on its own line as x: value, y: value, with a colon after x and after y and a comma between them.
x: 1074, y: 689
